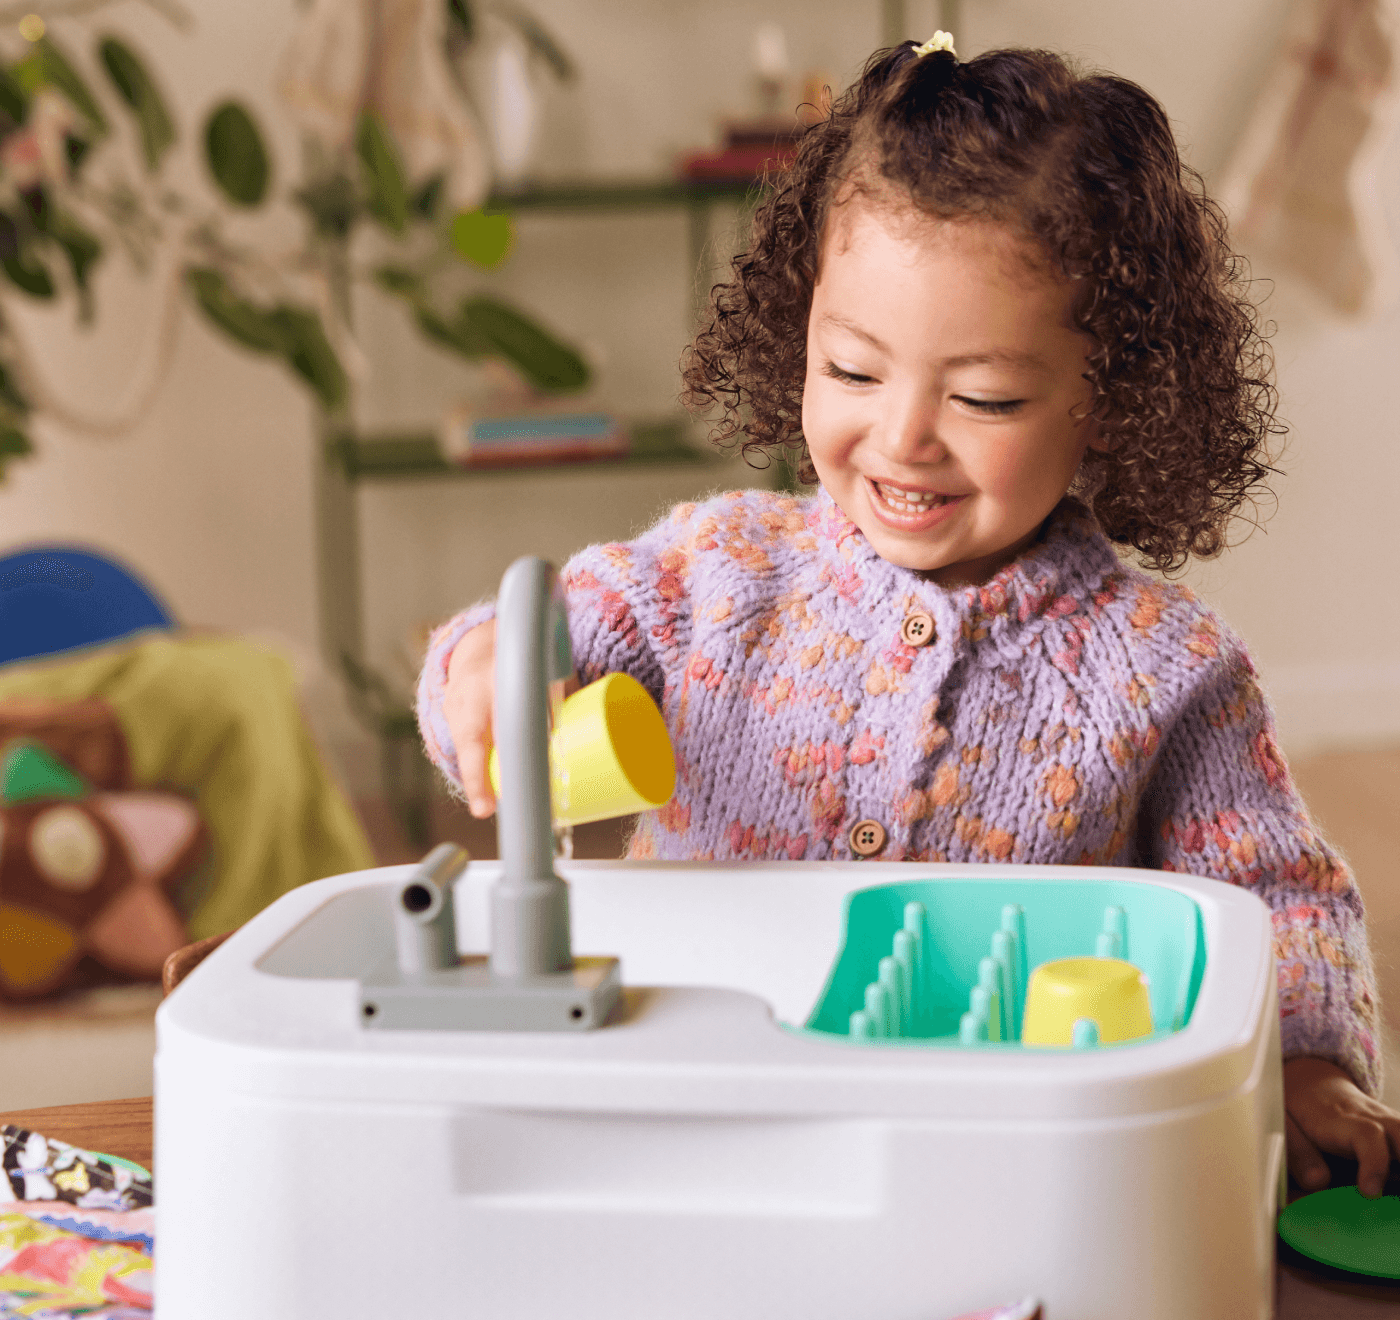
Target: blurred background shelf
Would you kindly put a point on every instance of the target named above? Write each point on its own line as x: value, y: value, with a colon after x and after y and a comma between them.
x: 418, y: 454
x: 351, y: 458
x: 622, y: 194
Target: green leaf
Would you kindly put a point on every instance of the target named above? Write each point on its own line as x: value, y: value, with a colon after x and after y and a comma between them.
x: 382, y: 173
x: 400, y: 282
x: 47, y: 66
x: 426, y: 199
x: 137, y: 89
x: 455, y: 335
x: 485, y: 240
x: 75, y: 148
x: 236, y: 155
x: 460, y: 17
x: 27, y: 272
x: 310, y: 355
x: 461, y: 339
x: 542, y: 360
x: 35, y: 202
x: 10, y: 395
x: 293, y: 333
x: 540, y: 42
x: 13, y: 444
x: 14, y: 103
x: 332, y: 203
x: 82, y: 248
x: 251, y: 326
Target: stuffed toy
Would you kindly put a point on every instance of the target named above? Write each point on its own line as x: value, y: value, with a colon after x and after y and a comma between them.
x: 87, y: 873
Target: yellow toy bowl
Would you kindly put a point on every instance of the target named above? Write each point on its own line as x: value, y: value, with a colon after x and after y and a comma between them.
x: 1109, y: 992
x: 609, y: 754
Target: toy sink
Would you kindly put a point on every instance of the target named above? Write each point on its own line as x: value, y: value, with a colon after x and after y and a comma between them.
x: 809, y: 1099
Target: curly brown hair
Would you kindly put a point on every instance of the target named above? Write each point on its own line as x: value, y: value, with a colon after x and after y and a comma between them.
x: 1085, y: 166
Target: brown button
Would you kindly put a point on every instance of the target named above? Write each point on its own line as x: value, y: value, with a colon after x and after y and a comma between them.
x: 917, y: 629
x: 867, y: 838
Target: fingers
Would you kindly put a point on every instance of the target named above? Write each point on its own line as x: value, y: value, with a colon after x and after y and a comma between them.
x: 467, y: 703
x: 1328, y: 1112
x: 467, y: 708
x: 469, y: 719
x: 473, y: 752
x: 1372, y: 1156
x: 1305, y: 1163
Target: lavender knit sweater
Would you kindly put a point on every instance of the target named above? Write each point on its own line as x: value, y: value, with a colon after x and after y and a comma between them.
x: 1070, y: 710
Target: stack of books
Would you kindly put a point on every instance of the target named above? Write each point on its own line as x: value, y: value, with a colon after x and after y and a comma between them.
x: 532, y: 438
x: 751, y: 149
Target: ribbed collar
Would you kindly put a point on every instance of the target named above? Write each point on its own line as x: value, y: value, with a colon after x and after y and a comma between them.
x: 1062, y: 569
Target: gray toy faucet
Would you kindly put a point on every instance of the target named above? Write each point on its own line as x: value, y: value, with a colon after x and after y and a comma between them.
x: 531, y: 981
x: 530, y: 903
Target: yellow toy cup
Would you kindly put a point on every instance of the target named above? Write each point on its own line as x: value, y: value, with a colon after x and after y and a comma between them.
x: 609, y: 754
x: 1109, y: 992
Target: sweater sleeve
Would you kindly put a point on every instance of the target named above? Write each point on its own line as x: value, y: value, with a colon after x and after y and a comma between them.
x: 1222, y: 805
x: 624, y: 601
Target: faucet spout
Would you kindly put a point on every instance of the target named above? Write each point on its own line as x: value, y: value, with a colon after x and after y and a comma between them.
x: 530, y: 903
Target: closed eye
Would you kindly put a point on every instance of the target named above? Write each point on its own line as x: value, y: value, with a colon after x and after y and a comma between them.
x: 993, y: 407
x: 848, y: 377
x: 990, y: 407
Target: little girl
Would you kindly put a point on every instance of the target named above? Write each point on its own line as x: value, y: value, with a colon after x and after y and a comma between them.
x: 998, y: 324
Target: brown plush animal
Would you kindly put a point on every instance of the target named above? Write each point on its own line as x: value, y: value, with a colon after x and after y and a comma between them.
x: 86, y: 873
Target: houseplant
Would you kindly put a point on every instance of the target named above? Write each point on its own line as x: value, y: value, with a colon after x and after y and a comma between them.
x: 58, y: 220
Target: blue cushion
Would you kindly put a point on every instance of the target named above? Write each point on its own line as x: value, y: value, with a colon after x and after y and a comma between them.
x: 57, y: 597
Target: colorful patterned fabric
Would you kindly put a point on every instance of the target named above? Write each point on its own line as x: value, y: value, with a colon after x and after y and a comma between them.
x: 1070, y: 710
x: 38, y: 1168
x: 60, y: 1263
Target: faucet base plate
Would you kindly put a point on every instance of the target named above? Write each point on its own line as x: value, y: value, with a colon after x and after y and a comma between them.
x: 470, y: 997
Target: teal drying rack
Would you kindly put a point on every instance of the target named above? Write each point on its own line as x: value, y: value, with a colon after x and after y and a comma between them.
x: 946, y: 962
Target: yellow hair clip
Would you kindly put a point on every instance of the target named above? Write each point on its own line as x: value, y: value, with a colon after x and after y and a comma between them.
x: 939, y: 41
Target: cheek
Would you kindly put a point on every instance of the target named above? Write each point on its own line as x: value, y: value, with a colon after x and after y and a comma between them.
x: 1000, y: 472
x: 1033, y: 469
x: 821, y: 411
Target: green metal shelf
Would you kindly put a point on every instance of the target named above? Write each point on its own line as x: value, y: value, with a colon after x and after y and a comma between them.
x: 352, y: 458
x: 416, y: 454
x: 623, y: 195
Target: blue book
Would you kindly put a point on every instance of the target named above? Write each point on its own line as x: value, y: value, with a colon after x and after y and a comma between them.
x: 535, y: 438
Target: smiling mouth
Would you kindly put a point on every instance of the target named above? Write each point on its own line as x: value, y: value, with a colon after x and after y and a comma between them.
x: 902, y: 500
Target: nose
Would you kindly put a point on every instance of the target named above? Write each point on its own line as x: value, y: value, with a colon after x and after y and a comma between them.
x: 909, y: 429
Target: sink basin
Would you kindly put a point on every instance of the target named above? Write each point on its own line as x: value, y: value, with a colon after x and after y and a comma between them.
x: 724, y: 1145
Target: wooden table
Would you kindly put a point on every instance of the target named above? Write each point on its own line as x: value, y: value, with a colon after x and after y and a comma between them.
x: 109, y: 1127
x: 1306, y: 1290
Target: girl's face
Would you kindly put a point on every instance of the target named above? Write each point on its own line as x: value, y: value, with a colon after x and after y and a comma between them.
x: 945, y: 389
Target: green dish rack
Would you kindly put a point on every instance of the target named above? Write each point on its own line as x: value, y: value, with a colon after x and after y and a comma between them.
x: 946, y: 962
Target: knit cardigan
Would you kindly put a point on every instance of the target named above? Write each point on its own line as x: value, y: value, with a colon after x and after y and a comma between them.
x: 1070, y: 710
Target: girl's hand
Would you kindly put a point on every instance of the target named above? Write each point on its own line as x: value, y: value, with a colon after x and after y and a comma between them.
x: 467, y: 704
x: 1326, y: 1110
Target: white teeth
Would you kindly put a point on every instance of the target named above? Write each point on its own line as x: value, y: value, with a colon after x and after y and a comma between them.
x: 907, y: 501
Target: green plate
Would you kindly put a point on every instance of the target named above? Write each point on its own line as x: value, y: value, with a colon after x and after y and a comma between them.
x: 1341, y: 1227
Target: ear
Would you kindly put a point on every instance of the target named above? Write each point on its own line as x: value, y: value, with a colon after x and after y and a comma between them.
x: 1093, y: 430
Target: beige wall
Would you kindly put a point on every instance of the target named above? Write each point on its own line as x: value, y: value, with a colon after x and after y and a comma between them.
x: 210, y: 494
